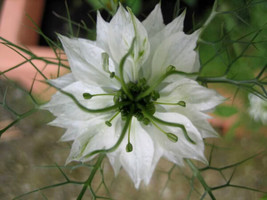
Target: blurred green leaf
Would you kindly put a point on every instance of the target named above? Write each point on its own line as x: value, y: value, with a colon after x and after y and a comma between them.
x: 225, y: 111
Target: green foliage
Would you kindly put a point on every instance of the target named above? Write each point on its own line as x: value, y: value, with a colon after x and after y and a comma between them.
x: 225, y: 111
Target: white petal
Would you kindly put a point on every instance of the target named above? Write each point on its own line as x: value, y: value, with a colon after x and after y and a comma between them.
x: 97, y: 136
x: 175, y: 26
x: 176, y: 151
x: 156, y: 40
x: 62, y: 81
x: 74, y: 128
x: 85, y: 60
x: 64, y: 107
x: 102, y: 33
x: 138, y: 163
x: 154, y: 22
x: 114, y: 159
x: 124, y: 27
x: 199, y: 119
x: 196, y: 96
x: 177, y: 50
x: 258, y: 108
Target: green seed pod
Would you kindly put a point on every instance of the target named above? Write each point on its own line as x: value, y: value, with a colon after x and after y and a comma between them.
x: 172, y: 137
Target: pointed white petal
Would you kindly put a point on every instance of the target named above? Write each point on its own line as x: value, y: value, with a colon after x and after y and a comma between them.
x: 157, y: 39
x: 114, y: 159
x: 62, y: 81
x: 102, y: 33
x: 154, y: 22
x: 124, y: 27
x: 97, y: 136
x: 177, y: 50
x: 176, y: 151
x: 63, y: 106
x: 198, y: 119
x: 138, y: 162
x: 85, y: 60
x: 196, y: 96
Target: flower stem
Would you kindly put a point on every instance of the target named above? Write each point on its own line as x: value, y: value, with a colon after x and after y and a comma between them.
x: 92, y: 175
x: 164, y: 76
x: 197, y: 174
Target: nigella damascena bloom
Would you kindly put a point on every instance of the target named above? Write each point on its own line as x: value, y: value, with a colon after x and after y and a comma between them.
x: 258, y: 108
x: 129, y: 93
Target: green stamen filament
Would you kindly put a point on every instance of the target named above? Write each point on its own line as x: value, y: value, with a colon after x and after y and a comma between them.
x: 155, y: 119
x: 82, y: 107
x: 87, y: 95
x: 115, y: 146
x: 129, y: 146
x: 170, y: 71
x: 172, y: 137
x: 121, y: 65
x: 180, y: 103
x: 108, y: 123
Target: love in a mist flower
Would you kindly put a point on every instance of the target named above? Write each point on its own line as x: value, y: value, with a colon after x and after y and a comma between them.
x: 258, y: 109
x: 130, y: 92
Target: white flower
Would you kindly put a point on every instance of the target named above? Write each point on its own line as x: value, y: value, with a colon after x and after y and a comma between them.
x: 129, y: 88
x: 258, y: 108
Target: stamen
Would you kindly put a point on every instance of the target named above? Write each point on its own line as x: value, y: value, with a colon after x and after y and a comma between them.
x: 155, y: 119
x: 170, y: 68
x: 129, y: 146
x: 105, y: 65
x: 172, y: 137
x: 87, y: 95
x: 112, y: 75
x: 121, y: 65
x: 82, y: 107
x: 180, y: 103
x: 169, y: 71
x: 108, y: 123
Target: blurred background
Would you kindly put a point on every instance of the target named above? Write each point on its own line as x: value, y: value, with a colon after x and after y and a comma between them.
x: 236, y: 39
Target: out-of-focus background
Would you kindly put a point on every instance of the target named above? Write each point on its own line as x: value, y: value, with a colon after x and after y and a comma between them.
x: 29, y: 149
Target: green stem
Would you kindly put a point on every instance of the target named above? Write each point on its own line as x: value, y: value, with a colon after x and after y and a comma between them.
x: 19, y: 117
x: 246, y: 84
x: 197, y: 174
x: 164, y: 76
x: 88, y: 182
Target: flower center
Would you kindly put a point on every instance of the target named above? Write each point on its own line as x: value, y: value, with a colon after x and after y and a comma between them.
x: 146, y: 102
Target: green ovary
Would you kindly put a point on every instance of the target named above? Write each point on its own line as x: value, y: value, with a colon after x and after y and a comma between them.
x: 147, y: 102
